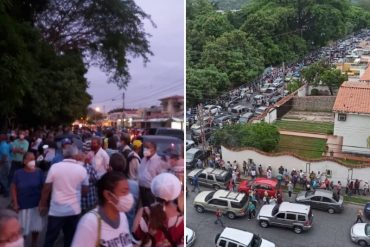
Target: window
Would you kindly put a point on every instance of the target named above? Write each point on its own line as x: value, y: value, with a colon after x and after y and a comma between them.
x: 222, y: 243
x: 218, y: 202
x: 316, y: 198
x: 342, y: 117
x: 231, y: 244
x: 325, y: 199
x: 240, y: 204
x: 301, y: 217
x: 281, y: 216
x: 203, y: 175
x: 211, y: 177
x: 291, y: 217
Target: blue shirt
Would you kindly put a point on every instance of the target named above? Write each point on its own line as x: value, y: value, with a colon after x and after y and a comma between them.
x: 5, y: 150
x: 134, y: 189
x: 29, y: 186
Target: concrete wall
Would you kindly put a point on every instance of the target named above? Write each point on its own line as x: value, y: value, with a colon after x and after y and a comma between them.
x: 355, y: 131
x: 271, y: 116
x: 339, y: 172
x: 314, y: 103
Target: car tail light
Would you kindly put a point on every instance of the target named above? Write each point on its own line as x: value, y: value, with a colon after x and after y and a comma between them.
x: 307, y: 223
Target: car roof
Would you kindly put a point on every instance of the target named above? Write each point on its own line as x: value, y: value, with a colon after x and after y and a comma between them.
x: 230, y: 195
x: 294, y: 207
x: 248, y: 114
x: 214, y: 171
x: 240, y: 236
x: 266, y: 181
x: 323, y: 193
x: 192, y: 150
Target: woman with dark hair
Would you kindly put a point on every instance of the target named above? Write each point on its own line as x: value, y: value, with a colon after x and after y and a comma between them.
x: 118, y: 163
x: 161, y: 224
x: 26, y: 194
x: 107, y: 225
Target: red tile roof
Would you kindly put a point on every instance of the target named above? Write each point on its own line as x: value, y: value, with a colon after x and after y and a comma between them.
x: 353, y: 97
x: 366, y: 74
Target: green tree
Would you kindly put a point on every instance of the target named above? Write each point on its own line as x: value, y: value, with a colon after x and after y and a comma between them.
x: 262, y: 136
x: 333, y: 78
x: 205, y: 84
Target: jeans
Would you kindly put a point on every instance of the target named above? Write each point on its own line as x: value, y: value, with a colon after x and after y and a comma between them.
x: 4, y: 171
x: 219, y: 220
x: 66, y: 223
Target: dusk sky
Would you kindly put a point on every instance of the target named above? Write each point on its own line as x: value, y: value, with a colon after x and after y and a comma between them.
x: 162, y: 76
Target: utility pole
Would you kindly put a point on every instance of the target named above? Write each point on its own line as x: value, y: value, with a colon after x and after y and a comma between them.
x: 201, y: 123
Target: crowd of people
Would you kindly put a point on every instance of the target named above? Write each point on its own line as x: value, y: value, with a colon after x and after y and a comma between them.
x: 100, y: 188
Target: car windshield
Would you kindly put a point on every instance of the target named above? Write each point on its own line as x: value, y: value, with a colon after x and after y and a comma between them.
x: 240, y: 204
x: 209, y: 196
x: 256, y: 241
x: 367, y: 229
x: 309, y: 193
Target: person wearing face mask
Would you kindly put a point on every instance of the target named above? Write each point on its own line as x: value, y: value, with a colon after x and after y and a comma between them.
x: 151, y: 165
x: 19, y: 148
x: 26, y: 194
x: 161, y: 224
x: 107, y: 225
x: 10, y: 229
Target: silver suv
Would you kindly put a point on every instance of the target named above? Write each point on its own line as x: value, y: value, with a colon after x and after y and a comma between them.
x: 289, y: 215
x: 211, y: 177
x: 231, y: 204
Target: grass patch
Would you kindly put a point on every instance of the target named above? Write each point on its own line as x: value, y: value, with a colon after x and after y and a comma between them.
x: 305, y: 126
x: 354, y: 199
x: 351, y: 162
x: 310, y: 148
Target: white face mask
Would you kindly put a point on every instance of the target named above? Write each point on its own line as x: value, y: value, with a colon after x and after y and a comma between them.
x: 31, y: 164
x: 125, y: 203
x: 18, y: 243
x: 146, y: 152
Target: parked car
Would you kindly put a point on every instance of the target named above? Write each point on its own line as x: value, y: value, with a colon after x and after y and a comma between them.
x: 197, y: 137
x: 213, y: 109
x: 239, y: 109
x: 321, y: 199
x: 192, y: 156
x: 270, y: 92
x: 232, y: 204
x: 260, y: 110
x: 260, y: 185
x: 367, y: 210
x: 189, y: 237
x: 222, y: 120
x: 258, y: 99
x: 360, y: 234
x: 167, y: 132
x: 235, y: 237
x: 264, y: 88
x: 164, y: 144
x: 290, y: 215
x: 189, y: 144
x: 215, y: 178
x: 275, y: 99
x: 245, y: 117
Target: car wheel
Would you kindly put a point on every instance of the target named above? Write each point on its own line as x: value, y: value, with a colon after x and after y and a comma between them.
x: 199, y: 209
x: 297, y: 229
x: 331, y: 211
x: 231, y: 215
x: 216, y: 187
x: 264, y: 224
x: 362, y: 243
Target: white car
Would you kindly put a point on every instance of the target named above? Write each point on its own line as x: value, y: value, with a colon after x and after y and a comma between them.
x: 213, y: 109
x: 190, y: 144
x: 236, y: 237
x: 189, y: 236
x: 360, y: 234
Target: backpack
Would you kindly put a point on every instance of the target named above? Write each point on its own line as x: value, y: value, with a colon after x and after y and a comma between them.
x: 129, y: 155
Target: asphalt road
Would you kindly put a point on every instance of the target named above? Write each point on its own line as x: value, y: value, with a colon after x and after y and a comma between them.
x: 327, y: 231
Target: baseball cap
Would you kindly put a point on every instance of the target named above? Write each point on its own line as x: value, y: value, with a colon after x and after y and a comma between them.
x: 66, y: 141
x: 166, y: 186
x: 137, y: 144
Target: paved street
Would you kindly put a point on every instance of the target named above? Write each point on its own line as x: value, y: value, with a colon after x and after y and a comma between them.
x: 327, y: 231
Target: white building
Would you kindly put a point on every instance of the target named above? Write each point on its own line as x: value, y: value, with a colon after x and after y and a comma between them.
x: 352, y: 116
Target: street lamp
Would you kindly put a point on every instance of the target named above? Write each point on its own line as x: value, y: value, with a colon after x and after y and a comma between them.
x: 97, y: 109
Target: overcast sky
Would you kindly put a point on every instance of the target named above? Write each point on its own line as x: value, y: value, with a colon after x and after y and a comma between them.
x: 162, y: 76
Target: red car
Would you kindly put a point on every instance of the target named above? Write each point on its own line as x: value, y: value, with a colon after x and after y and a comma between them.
x: 261, y: 185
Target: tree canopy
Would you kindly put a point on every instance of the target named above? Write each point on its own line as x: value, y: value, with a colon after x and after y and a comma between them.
x: 262, y: 136
x: 262, y: 33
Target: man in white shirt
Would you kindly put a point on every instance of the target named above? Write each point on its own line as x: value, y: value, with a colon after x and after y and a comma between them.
x: 101, y: 158
x: 66, y: 181
x: 132, y: 158
x: 151, y: 165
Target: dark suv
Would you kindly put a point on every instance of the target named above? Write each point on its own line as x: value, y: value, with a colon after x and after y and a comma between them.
x: 192, y: 156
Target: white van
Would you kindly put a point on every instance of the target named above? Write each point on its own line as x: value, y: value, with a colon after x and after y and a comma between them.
x: 239, y: 109
x: 236, y: 237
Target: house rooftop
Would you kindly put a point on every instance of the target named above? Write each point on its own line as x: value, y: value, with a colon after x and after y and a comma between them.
x: 353, y: 97
x: 176, y: 97
x: 366, y: 75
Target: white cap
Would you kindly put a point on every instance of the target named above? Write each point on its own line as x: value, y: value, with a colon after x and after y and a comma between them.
x: 166, y: 186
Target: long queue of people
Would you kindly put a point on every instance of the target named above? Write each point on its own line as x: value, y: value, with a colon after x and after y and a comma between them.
x: 126, y: 195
